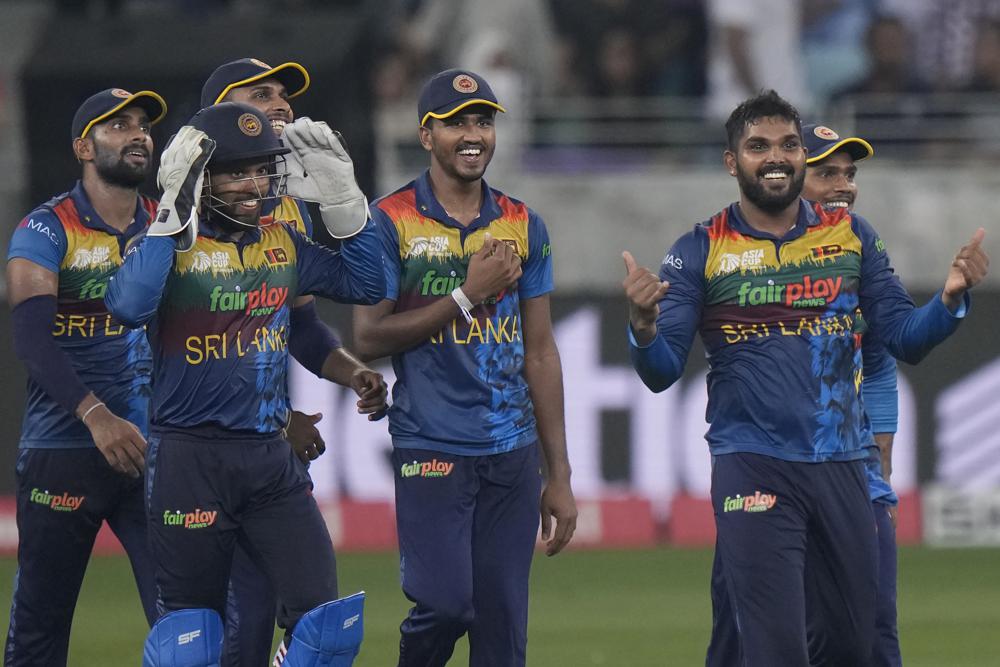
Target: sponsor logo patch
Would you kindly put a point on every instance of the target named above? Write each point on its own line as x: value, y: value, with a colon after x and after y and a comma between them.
x: 199, y: 518
x: 259, y: 301
x: 56, y: 502
x: 758, y: 502
x: 432, y: 468
x: 809, y: 293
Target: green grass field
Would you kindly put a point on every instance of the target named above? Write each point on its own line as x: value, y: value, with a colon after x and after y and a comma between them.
x: 614, y: 608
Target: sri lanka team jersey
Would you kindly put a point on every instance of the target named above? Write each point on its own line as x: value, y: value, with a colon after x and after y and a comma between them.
x: 289, y: 210
x: 68, y: 237
x: 778, y: 320
x: 461, y: 391
x: 218, y: 317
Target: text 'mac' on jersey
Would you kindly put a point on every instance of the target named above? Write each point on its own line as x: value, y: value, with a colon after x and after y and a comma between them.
x: 220, y: 334
x: 778, y: 320
x: 462, y: 391
x: 68, y: 237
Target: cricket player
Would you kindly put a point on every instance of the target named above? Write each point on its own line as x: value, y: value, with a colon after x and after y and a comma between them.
x: 478, y: 390
x: 772, y: 283
x: 215, y: 292
x: 83, y: 444
x: 250, y: 616
x: 830, y: 181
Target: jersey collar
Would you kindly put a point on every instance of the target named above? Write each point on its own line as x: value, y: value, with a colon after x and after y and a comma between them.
x: 428, y: 205
x: 806, y: 218
x: 89, y: 217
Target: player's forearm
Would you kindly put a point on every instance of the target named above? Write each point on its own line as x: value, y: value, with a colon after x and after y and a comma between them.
x: 340, y: 366
x: 884, y: 442
x: 135, y: 290
x: 310, y: 341
x: 543, y: 373
x: 913, y: 336
x: 391, y: 333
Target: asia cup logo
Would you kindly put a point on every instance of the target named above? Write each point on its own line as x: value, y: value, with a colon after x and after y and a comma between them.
x: 249, y: 124
x: 824, y: 132
x: 464, y: 83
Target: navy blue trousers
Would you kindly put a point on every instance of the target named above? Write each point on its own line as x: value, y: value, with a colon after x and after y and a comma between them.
x: 63, y: 497
x: 249, y: 617
x: 208, y: 491
x: 886, y: 652
x: 791, y: 537
x: 467, y: 527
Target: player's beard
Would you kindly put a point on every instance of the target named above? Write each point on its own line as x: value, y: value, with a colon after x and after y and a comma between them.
x: 113, y: 168
x: 452, y: 166
x: 225, y: 218
x: 754, y: 189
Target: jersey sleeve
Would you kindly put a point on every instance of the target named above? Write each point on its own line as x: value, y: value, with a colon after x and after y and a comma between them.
x: 536, y: 277
x: 136, y: 288
x: 661, y: 362
x: 351, y: 274
x: 879, y: 390
x: 41, y: 239
x: 389, y: 240
x: 909, y: 333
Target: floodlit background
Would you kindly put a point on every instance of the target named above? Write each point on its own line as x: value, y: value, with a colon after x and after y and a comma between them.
x: 614, y: 135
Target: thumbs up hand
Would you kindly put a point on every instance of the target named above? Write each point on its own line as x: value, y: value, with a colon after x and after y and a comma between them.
x: 644, y: 291
x: 967, y: 270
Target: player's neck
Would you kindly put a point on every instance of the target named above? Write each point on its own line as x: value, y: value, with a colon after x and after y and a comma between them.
x: 115, y: 204
x: 777, y: 224
x: 460, y: 199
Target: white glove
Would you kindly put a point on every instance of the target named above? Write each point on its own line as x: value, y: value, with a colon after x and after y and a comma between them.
x: 320, y: 170
x: 181, y: 175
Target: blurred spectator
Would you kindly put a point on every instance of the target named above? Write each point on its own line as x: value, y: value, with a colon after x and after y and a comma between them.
x: 627, y: 48
x: 986, y: 59
x: 890, y: 61
x: 755, y: 44
x: 833, y: 43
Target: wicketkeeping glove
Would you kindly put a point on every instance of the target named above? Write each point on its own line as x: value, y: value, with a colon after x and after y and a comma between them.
x: 320, y: 170
x: 181, y: 176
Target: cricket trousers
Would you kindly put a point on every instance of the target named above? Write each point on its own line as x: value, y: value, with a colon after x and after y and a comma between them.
x: 63, y: 497
x: 792, y: 539
x: 886, y: 651
x: 209, y: 490
x: 467, y: 527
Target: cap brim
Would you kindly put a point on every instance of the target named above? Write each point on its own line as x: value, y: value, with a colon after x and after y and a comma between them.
x: 463, y: 105
x: 293, y: 76
x: 857, y: 148
x: 154, y: 106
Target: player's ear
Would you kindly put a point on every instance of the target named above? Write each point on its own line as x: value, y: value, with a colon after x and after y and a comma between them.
x: 83, y: 149
x: 729, y: 159
x: 424, y: 134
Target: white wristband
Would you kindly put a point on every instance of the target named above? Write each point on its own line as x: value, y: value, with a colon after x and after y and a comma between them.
x: 463, y: 303
x: 89, y: 410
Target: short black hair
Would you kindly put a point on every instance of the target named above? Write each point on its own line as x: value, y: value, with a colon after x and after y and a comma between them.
x: 766, y: 104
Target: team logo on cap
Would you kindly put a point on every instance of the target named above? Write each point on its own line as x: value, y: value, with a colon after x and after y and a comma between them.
x: 824, y: 132
x: 260, y: 63
x: 464, y: 83
x: 118, y: 92
x: 249, y: 124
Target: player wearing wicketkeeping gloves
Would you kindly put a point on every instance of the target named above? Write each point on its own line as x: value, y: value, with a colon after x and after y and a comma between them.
x: 82, y: 445
x: 773, y: 284
x: 250, y: 616
x: 218, y: 315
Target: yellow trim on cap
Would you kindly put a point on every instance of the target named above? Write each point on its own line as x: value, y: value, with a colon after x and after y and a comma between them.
x: 467, y: 103
x: 839, y: 144
x: 127, y: 101
x: 263, y: 75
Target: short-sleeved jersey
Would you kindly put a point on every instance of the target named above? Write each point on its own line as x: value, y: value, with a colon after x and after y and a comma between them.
x: 219, y: 332
x: 462, y: 391
x: 68, y: 237
x: 778, y: 320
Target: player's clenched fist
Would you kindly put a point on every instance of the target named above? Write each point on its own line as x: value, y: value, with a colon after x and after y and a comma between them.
x: 644, y: 290
x: 967, y: 270
x: 494, y: 268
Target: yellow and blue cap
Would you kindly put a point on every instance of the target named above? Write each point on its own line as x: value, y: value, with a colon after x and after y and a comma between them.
x: 101, y: 106
x: 246, y: 71
x: 452, y: 90
x: 821, y: 142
